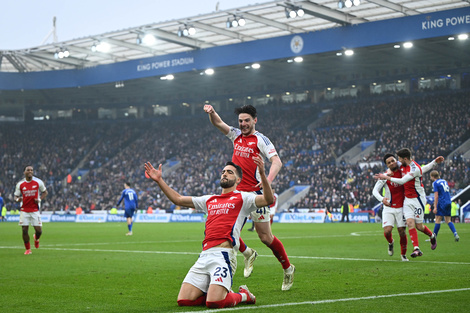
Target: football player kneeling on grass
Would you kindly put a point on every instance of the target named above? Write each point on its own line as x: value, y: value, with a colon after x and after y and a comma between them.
x: 209, y: 281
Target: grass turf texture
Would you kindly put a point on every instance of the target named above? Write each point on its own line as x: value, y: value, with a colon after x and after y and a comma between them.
x: 96, y: 268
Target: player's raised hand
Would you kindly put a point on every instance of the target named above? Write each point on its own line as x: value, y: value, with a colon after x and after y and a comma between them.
x: 260, y: 163
x: 152, y: 172
x: 439, y: 159
x: 209, y: 109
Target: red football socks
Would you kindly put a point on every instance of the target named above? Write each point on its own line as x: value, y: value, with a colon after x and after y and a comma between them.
x: 279, y: 252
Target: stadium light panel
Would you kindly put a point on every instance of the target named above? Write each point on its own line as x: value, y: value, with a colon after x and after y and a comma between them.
x: 408, y: 45
x: 462, y: 37
x: 149, y: 40
x: 294, y: 12
x: 235, y: 21
x: 209, y: 71
x: 185, y: 31
x: 298, y: 59
x: 255, y: 66
x: 349, y: 52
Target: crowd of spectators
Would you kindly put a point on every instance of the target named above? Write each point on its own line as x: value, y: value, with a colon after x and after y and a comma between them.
x: 109, y: 153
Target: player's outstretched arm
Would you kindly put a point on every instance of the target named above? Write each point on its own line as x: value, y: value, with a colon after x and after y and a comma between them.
x: 216, y: 120
x: 175, y: 197
x: 428, y: 167
x: 267, y: 198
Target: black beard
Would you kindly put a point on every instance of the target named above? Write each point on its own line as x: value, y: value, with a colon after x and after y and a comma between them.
x: 227, y: 183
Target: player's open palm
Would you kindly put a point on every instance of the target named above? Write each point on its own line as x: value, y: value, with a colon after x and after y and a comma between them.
x: 152, y: 172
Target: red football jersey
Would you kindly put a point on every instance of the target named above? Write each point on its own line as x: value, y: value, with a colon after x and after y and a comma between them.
x: 244, y: 149
x: 30, y: 190
x: 226, y: 215
x: 413, y: 188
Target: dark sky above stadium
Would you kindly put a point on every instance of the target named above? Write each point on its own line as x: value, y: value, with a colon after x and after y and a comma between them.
x: 27, y: 23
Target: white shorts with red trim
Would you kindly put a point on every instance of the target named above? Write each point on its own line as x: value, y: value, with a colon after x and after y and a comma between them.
x: 414, y: 208
x: 30, y: 218
x: 392, y: 217
x: 214, y: 266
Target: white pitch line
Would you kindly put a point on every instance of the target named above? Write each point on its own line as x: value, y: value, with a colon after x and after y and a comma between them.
x: 254, y: 307
x: 266, y: 256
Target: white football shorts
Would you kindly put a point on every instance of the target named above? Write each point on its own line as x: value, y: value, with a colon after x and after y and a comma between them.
x: 414, y: 208
x: 261, y: 215
x: 392, y: 217
x: 30, y: 218
x: 214, y: 266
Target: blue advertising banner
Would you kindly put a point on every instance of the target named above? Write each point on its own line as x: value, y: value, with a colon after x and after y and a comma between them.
x: 434, y: 24
x: 115, y: 218
x: 63, y: 218
x: 353, y: 217
x: 153, y: 218
x: 194, y: 217
x: 91, y: 218
x: 302, y: 217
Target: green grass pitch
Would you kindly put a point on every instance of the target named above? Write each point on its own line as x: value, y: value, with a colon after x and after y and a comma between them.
x: 339, y: 268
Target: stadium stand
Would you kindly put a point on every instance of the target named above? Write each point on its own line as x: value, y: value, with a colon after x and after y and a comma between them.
x: 102, y: 154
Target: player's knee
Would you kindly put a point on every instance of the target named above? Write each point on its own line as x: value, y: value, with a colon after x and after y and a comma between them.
x: 267, y: 239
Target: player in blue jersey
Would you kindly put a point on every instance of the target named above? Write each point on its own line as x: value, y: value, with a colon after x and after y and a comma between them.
x: 442, y: 203
x: 130, y: 205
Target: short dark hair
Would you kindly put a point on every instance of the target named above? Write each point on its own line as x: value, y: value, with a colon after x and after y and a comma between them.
x: 128, y: 183
x: 237, y: 167
x: 27, y: 166
x: 404, y: 153
x: 388, y: 155
x: 249, y: 109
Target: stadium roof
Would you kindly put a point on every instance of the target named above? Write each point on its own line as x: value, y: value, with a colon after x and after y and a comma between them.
x: 380, y: 63
x: 263, y: 20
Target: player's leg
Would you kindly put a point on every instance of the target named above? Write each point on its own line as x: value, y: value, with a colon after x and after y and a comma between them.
x: 220, y: 266
x: 25, y: 221
x: 229, y: 299
x: 264, y: 232
x: 190, y: 295
x: 452, y: 227
x: 195, y: 285
x: 403, y: 242
x: 37, y: 235
x: 249, y: 255
x: 437, y: 225
x: 388, y: 236
x: 388, y: 220
x: 128, y: 213
x: 25, y: 234
x: 401, y: 228
x: 412, y: 216
x: 424, y: 229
